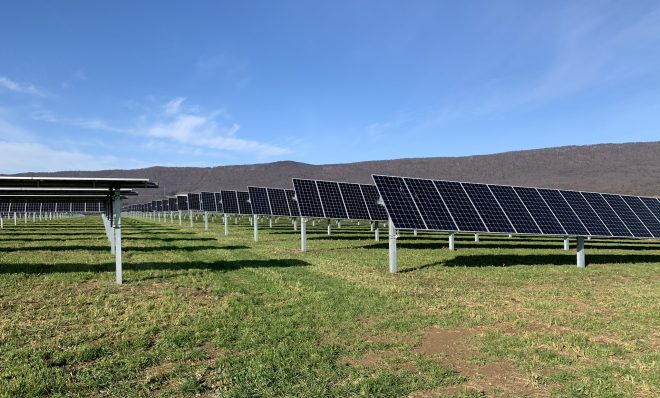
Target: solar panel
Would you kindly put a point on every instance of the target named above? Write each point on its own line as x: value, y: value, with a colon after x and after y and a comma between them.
x: 488, y: 207
x: 653, y: 205
x: 430, y: 204
x: 32, y: 207
x: 173, y: 204
x: 377, y: 212
x: 194, y: 201
x: 515, y: 210
x: 229, y: 202
x: 627, y: 216
x: 48, y: 207
x: 333, y: 204
x: 244, y: 206
x: 259, y: 201
x: 166, y: 205
x: 182, y: 202
x: 644, y: 214
x: 458, y: 203
x: 293, y: 205
x: 308, y: 198
x: 586, y: 213
x: 278, y: 202
x: 399, y: 203
x: 354, y: 201
x: 63, y: 207
x: 208, y: 202
x: 218, y: 201
x: 606, y: 214
x: 4, y: 207
x: 540, y: 211
x: 78, y: 207
x: 563, y: 212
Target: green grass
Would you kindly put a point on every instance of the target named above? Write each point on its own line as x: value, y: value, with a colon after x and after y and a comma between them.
x: 203, y: 314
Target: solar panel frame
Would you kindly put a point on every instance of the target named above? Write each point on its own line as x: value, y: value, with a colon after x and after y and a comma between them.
x: 229, y: 202
x: 516, y: 211
x: 643, y: 213
x: 244, y: 205
x: 401, y: 207
x: 309, y: 201
x: 260, y: 201
x: 629, y: 218
x: 356, y: 207
x: 430, y: 204
x: 653, y: 204
x: 488, y: 208
x: 278, y: 202
x: 377, y: 212
x: 208, y: 203
x: 563, y: 212
x: 540, y: 211
x: 331, y: 199
x: 293, y: 204
x: 607, y: 215
x: 586, y: 213
x: 460, y: 206
x: 218, y: 201
x: 182, y: 202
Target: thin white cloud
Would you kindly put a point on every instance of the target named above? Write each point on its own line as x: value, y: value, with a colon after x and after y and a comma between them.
x: 19, y: 157
x: 20, y: 88
x: 90, y: 124
x: 174, y: 106
x: 202, y: 130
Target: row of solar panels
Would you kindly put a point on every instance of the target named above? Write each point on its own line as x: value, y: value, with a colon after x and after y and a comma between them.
x: 437, y: 205
x: 22, y: 206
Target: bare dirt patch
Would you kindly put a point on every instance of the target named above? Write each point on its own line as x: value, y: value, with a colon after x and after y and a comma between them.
x: 453, y: 347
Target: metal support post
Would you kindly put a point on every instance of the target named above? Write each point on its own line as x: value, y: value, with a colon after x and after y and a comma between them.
x: 295, y: 224
x: 191, y: 218
x: 329, y: 227
x: 117, y: 227
x: 476, y: 237
x: 226, y: 224
x: 567, y: 243
x: 303, y: 234
x: 377, y: 234
x: 580, y: 252
x: 270, y: 222
x: 451, y: 241
x: 255, y: 224
x: 206, y: 221
x: 392, y: 239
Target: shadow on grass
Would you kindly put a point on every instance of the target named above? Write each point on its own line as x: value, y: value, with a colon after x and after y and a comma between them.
x: 126, y: 247
x: 219, y: 266
x: 509, y: 260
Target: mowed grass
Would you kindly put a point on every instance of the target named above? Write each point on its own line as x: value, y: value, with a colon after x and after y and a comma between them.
x: 203, y: 314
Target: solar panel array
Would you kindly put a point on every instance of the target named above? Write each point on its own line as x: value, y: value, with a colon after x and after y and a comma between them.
x: 438, y: 205
x: 273, y: 202
x: 194, y: 201
x: 35, y: 206
x: 339, y: 200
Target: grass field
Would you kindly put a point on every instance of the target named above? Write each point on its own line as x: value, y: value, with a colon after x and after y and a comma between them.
x: 203, y: 314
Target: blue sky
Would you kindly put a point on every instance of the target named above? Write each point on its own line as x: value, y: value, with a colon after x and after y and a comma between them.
x: 126, y: 84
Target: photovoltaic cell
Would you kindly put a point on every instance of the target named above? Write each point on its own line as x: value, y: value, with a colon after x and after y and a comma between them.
x: 515, y: 209
x: 259, y: 201
x: 606, y: 214
x: 173, y: 204
x: 463, y: 212
x: 229, y: 202
x: 400, y: 204
x: 430, y: 204
x: 586, y: 213
x: 244, y: 205
x: 563, y: 212
x: 644, y: 214
x: 48, y: 207
x: 308, y: 198
x: 333, y: 205
x: 182, y: 202
x: 208, y: 202
x: 166, y: 205
x: 354, y: 201
x: 293, y: 205
x: 376, y: 212
x: 486, y: 204
x: 627, y: 216
x: 539, y: 211
x: 278, y: 202
x: 653, y: 204
x: 194, y: 201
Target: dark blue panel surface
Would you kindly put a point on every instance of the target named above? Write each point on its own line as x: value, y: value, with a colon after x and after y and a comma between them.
x: 308, y: 198
x: 586, y: 213
x: 563, y: 212
x: 229, y: 202
x: 354, y: 201
x: 278, y: 202
x: 376, y: 212
x: 644, y: 214
x: 461, y: 209
x: 333, y: 204
x: 606, y: 214
x: 489, y: 209
x: 514, y: 209
x: 399, y: 203
x: 293, y: 205
x: 259, y: 201
x: 627, y: 216
x: 243, y: 200
x: 539, y: 211
x: 430, y: 205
